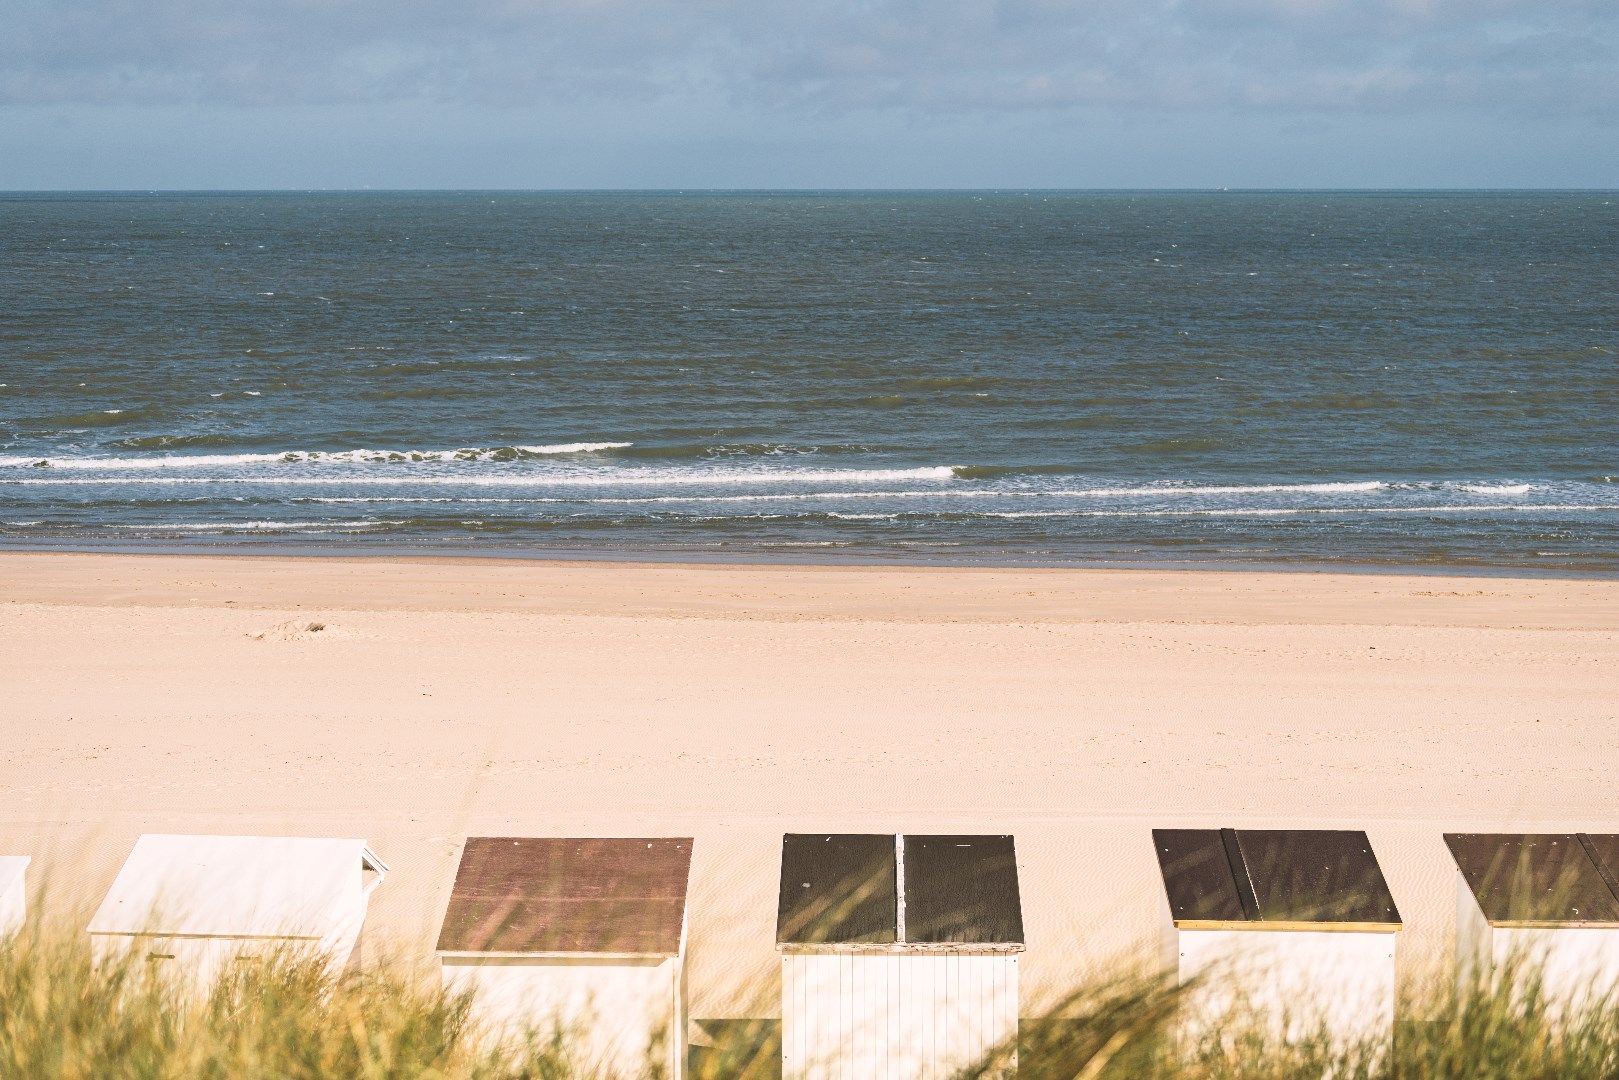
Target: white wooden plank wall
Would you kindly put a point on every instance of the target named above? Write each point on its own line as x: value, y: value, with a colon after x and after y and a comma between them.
x: 197, y: 963
x: 1293, y: 980
x: 618, y: 1007
x: 917, y: 1016
x: 13, y: 903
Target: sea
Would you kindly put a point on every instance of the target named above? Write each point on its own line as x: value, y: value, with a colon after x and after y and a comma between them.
x: 1282, y: 379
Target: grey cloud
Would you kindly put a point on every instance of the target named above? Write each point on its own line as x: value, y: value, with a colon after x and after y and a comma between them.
x: 924, y: 56
x: 1297, y: 53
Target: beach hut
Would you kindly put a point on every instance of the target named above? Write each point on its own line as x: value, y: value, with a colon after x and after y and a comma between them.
x: 1548, y: 900
x: 196, y: 904
x: 1295, y: 926
x: 13, y: 892
x: 899, y: 954
x: 589, y: 934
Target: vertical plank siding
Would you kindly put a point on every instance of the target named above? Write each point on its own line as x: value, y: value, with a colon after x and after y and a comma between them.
x: 894, y: 1016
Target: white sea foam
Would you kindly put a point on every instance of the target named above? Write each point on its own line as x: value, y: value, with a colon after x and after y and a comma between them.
x: 252, y: 526
x: 1288, y: 511
x: 1255, y: 511
x: 1497, y: 489
x: 574, y: 448
x: 654, y: 477
x: 620, y: 477
x: 306, y: 457
x: 953, y: 494
x: 1166, y: 490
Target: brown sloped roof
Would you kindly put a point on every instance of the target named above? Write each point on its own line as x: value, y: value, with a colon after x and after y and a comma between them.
x: 544, y: 895
x: 1541, y: 879
x: 1273, y: 879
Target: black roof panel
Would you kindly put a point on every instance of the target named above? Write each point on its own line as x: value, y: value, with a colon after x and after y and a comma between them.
x: 1276, y: 877
x: 837, y: 890
x: 1316, y: 875
x: 1540, y: 879
x: 1197, y: 876
x: 962, y: 890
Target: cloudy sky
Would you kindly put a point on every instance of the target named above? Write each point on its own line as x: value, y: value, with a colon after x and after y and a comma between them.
x: 808, y: 93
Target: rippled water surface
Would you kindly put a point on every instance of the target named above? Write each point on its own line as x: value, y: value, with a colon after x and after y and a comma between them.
x: 1419, y: 378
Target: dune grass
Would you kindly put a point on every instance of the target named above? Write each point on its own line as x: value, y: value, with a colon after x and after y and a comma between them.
x: 1502, y: 1027
x: 284, y: 1017
x: 288, y: 1018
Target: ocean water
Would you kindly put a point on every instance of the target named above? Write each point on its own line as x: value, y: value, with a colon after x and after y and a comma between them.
x: 994, y: 377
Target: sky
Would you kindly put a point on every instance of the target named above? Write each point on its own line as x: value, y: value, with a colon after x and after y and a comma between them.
x: 133, y: 94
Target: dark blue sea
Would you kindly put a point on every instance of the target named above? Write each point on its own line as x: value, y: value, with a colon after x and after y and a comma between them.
x: 1396, y: 378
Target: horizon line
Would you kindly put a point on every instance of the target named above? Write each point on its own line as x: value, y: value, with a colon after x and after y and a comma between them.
x: 892, y: 189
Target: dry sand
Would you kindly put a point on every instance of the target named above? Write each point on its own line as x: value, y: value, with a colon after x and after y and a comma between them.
x: 1076, y: 709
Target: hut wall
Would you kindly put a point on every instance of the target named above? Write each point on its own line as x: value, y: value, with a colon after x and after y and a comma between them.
x: 624, y: 1012
x: 198, y: 962
x: 13, y: 904
x: 1572, y: 961
x: 895, y: 1015
x: 1294, y: 980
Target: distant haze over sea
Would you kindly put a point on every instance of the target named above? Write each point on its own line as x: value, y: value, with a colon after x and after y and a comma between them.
x: 1000, y: 377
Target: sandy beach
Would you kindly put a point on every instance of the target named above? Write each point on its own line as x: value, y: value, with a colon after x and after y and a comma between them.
x: 1076, y: 709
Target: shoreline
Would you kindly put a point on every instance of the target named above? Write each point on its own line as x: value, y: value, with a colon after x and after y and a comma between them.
x: 359, y: 550
x: 1073, y: 708
x: 805, y: 591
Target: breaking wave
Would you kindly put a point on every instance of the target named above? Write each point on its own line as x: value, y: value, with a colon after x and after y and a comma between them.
x: 302, y: 457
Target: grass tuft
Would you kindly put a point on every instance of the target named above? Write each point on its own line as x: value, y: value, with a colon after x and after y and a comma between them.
x: 286, y: 1017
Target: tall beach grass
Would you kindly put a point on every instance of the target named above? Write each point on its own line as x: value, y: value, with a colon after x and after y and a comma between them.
x: 287, y: 1017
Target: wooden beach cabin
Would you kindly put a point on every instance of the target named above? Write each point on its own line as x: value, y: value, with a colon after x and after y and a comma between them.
x: 196, y: 904
x: 1549, y: 900
x: 589, y: 934
x: 1296, y: 925
x: 13, y: 892
x: 899, y: 954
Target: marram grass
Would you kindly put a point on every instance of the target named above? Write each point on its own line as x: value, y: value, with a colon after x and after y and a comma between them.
x: 286, y: 1018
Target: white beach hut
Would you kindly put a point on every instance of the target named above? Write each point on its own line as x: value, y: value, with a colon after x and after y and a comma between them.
x: 899, y: 954
x: 1295, y: 926
x: 1549, y: 901
x: 589, y: 934
x: 197, y: 903
x: 13, y: 892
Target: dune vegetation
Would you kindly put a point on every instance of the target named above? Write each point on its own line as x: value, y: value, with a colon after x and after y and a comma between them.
x: 289, y: 1018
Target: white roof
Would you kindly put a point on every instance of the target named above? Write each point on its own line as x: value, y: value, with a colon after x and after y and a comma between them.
x: 235, y: 886
x: 12, y: 868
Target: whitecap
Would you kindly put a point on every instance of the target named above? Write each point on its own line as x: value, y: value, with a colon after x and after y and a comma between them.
x: 573, y: 448
x: 614, y: 477
x: 298, y: 457
x: 252, y: 526
x: 1329, y: 487
x: 1496, y: 489
x: 1323, y: 511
